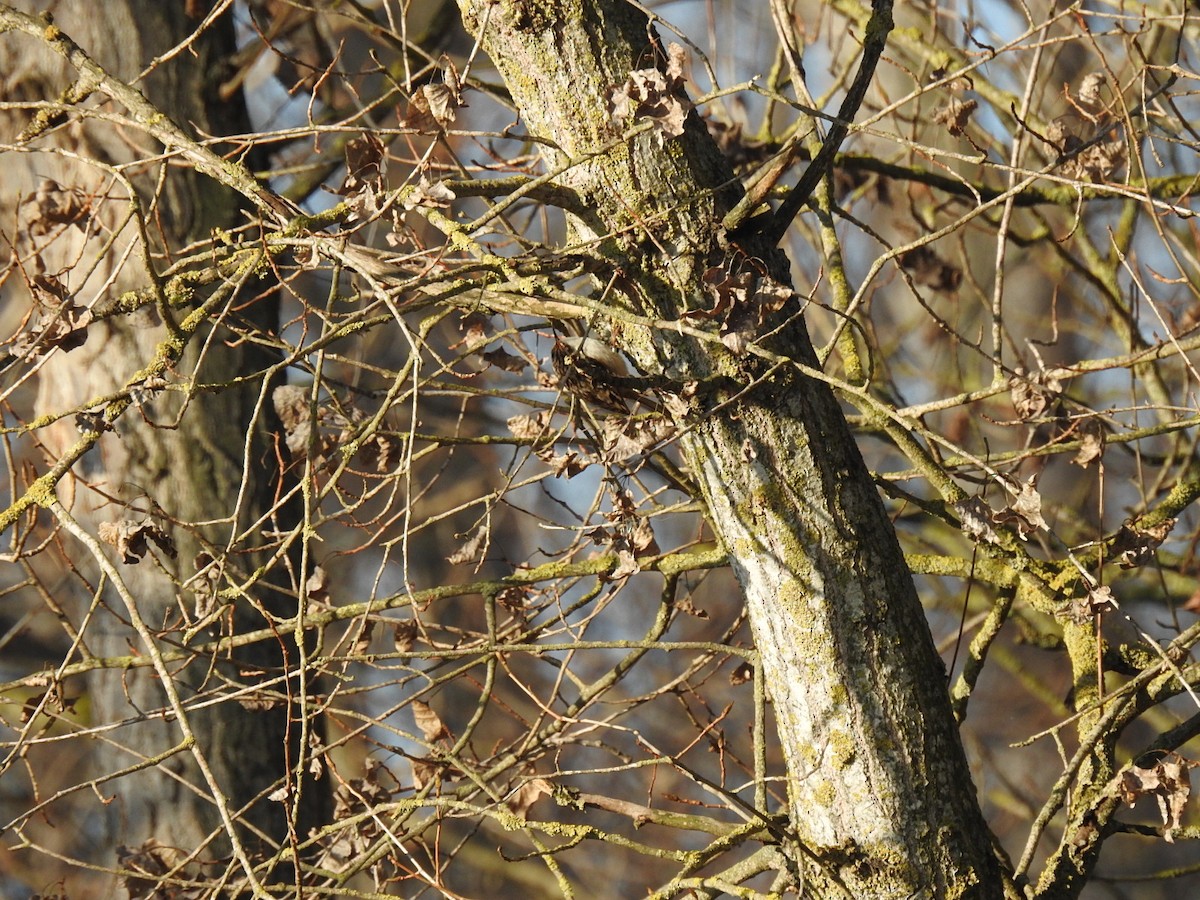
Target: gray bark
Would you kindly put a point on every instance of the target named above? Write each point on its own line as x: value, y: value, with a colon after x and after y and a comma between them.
x: 882, y: 803
x: 184, y: 454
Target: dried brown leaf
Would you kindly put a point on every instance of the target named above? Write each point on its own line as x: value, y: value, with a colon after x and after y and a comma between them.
x: 404, y: 635
x: 471, y: 548
x: 430, y: 725
x: 424, y: 771
x: 642, y: 539
x: 1092, y: 435
x: 1025, y: 512
x: 362, y: 642
x: 316, y: 587
x: 292, y: 406
x: 502, y: 359
x: 476, y: 329
x: 528, y: 428
x: 627, y: 564
x: 741, y: 673
x: 955, y: 115
x: 133, y: 539
x: 431, y: 195
x: 364, y: 163
x: 59, y: 324
x: 1135, y: 546
x: 54, y: 205
x: 569, y: 464
x: 654, y: 95
x: 520, y: 800
x: 1168, y: 781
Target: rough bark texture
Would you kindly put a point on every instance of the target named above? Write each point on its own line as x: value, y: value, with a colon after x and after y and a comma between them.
x: 882, y: 800
x: 185, y: 452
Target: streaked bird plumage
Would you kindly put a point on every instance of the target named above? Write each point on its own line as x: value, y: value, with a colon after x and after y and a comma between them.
x: 585, y: 367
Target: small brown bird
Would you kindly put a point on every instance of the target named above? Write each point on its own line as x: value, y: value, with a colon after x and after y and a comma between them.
x: 586, y: 367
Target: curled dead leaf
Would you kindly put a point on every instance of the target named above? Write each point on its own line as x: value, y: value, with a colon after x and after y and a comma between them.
x: 1168, y: 781
x: 429, y: 723
x: 471, y: 548
x: 520, y: 800
x: 404, y: 635
x: 133, y: 539
x: 1134, y: 546
x: 955, y: 115
x: 654, y: 95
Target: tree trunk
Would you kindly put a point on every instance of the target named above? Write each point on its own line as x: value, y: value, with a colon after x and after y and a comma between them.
x: 183, y: 459
x: 882, y: 803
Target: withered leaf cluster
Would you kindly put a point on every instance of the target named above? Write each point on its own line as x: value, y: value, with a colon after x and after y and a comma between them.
x: 1168, y: 781
x: 742, y: 301
x: 650, y: 94
x: 133, y: 539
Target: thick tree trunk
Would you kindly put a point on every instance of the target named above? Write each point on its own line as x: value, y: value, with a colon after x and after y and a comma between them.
x: 184, y: 457
x: 882, y: 802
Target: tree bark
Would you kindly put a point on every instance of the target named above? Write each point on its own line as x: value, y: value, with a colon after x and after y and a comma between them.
x: 184, y: 458
x: 882, y: 803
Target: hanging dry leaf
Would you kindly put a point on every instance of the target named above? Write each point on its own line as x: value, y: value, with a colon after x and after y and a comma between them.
x: 528, y: 428
x: 742, y: 301
x: 292, y: 406
x: 431, y: 195
x: 1135, y: 546
x: 133, y: 539
x: 1089, y: 99
x: 1031, y: 394
x: 471, y: 548
x: 1168, y: 781
x: 515, y: 600
x: 627, y: 563
x: 362, y: 643
x: 428, y: 722
x: 741, y: 673
x: 1101, y: 599
x: 52, y: 205
x: 404, y: 635
x: 569, y: 464
x: 624, y: 439
x: 364, y: 164
x: 316, y: 588
x: 424, y: 772
x: 59, y: 324
x: 258, y: 702
x: 685, y: 605
x: 433, y: 106
x: 502, y: 359
x: 955, y: 115
x: 642, y: 539
x: 520, y: 800
x: 476, y: 329
x: 145, y: 867
x: 382, y: 452
x: 1091, y: 442
x: 204, y: 588
x: 1025, y: 512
